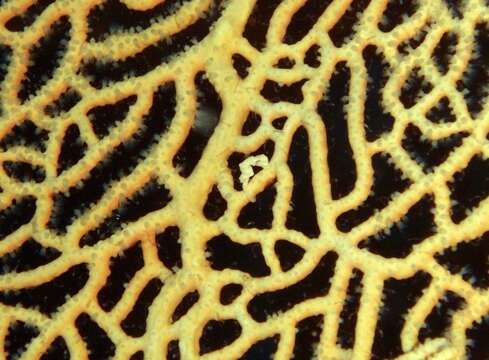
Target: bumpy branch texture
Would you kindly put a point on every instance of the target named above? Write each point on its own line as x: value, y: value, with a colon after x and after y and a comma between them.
x: 244, y: 179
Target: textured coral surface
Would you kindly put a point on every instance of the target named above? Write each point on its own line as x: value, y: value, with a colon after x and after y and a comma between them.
x: 244, y: 179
